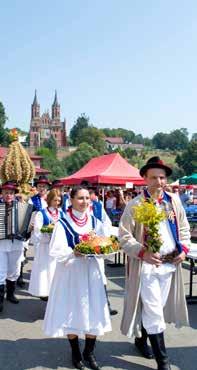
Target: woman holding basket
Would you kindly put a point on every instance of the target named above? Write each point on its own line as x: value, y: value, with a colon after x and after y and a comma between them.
x: 77, y: 302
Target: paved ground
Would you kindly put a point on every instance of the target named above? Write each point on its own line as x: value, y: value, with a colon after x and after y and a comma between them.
x: 24, y: 347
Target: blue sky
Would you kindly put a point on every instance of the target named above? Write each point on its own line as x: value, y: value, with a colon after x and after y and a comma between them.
x: 129, y: 63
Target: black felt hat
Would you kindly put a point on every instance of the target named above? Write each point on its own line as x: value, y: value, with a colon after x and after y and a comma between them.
x: 155, y: 162
x: 42, y: 180
x: 57, y: 184
x: 9, y: 185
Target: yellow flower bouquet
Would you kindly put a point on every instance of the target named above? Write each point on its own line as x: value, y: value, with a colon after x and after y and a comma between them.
x: 98, y: 245
x: 147, y: 214
x: 47, y: 228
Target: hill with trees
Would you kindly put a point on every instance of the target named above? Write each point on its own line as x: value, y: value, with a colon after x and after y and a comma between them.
x: 175, y: 148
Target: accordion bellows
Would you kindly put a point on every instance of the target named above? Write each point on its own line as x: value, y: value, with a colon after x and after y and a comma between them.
x: 14, y: 220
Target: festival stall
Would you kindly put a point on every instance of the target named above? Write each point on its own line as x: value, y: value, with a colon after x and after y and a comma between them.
x: 109, y: 169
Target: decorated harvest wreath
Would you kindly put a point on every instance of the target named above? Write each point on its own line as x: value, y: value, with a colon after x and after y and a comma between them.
x: 94, y: 244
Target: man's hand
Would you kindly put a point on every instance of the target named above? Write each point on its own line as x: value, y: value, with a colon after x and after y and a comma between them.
x: 152, y: 258
x: 178, y: 259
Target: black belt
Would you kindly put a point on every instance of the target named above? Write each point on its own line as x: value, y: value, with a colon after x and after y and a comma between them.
x: 168, y: 258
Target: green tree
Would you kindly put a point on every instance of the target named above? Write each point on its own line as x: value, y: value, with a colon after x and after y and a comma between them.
x: 3, y: 117
x: 94, y: 137
x: 194, y: 137
x: 50, y: 144
x: 130, y: 153
x: 178, y: 139
x: 79, y: 158
x: 127, y: 135
x: 188, y: 159
x: 138, y: 139
x: 177, y: 172
x: 160, y: 140
x: 119, y: 150
x: 147, y: 142
x: 51, y: 163
x: 4, y: 133
x: 75, y: 132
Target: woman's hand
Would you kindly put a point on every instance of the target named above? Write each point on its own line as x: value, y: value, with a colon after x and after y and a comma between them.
x: 78, y: 254
x: 178, y: 259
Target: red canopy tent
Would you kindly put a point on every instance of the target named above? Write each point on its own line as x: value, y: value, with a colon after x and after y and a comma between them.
x: 107, y: 169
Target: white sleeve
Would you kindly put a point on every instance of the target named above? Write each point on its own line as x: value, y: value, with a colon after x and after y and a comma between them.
x: 100, y: 229
x: 58, y: 246
x: 38, y: 223
x: 107, y: 225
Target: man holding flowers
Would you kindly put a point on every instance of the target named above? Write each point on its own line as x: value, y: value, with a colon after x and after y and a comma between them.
x: 154, y: 233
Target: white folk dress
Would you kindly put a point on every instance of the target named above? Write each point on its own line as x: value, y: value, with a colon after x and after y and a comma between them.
x: 77, y: 302
x: 43, y: 266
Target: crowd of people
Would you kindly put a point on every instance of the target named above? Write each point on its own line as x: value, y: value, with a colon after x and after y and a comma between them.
x: 75, y: 287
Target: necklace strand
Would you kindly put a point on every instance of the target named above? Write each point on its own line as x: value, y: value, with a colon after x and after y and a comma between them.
x: 79, y: 222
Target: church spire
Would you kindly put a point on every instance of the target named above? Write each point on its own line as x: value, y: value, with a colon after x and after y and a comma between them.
x: 55, y: 99
x: 55, y: 108
x: 35, y: 107
x: 35, y: 102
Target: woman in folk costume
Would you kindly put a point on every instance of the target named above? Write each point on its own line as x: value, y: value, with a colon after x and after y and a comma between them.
x: 65, y: 203
x: 154, y: 284
x: 44, y: 265
x: 77, y: 302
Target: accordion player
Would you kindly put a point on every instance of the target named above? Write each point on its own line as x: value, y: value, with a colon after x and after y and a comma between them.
x: 14, y: 216
x: 14, y: 220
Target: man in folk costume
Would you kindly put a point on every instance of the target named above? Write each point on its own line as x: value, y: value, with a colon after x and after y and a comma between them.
x: 11, y: 252
x: 154, y: 284
x: 39, y: 200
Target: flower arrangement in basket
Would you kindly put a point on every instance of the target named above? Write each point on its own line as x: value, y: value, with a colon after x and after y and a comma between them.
x: 149, y: 215
x: 93, y: 244
x: 47, y: 229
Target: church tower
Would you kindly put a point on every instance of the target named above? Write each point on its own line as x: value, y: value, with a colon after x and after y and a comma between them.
x: 35, y: 107
x: 42, y: 127
x: 55, y: 108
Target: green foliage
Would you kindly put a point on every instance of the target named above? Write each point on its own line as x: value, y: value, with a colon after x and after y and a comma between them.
x: 188, y: 159
x: 94, y: 137
x: 3, y: 117
x: 51, y: 163
x: 75, y: 132
x: 130, y: 153
x: 45, y: 152
x: 194, y: 137
x: 127, y: 135
x: 50, y: 144
x: 79, y: 158
x: 4, y: 133
x: 176, y: 140
x: 160, y: 140
x: 177, y: 172
x: 118, y: 150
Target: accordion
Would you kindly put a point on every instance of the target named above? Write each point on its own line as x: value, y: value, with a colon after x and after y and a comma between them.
x: 14, y: 220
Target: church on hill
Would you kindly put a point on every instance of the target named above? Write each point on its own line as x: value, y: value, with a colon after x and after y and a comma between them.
x: 44, y: 126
